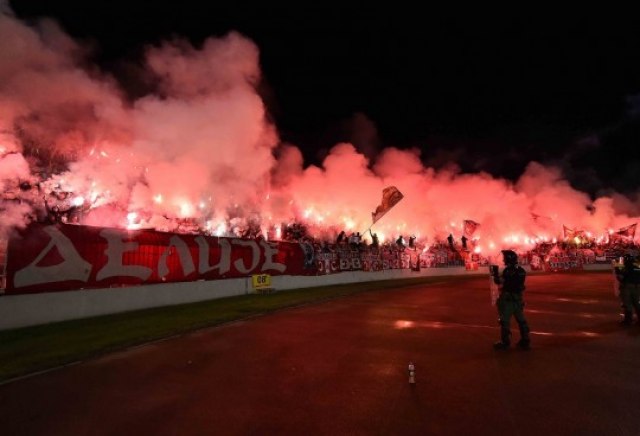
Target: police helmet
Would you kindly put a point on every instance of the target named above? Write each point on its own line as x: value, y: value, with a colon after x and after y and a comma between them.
x: 509, y: 257
x: 629, y: 259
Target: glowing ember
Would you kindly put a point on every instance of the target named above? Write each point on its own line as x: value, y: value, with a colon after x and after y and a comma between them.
x: 220, y: 230
x: 186, y: 210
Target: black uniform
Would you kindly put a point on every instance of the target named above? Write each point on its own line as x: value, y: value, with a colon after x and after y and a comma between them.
x: 629, y: 278
x: 510, y: 302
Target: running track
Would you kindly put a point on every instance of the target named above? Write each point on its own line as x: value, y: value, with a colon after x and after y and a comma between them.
x: 340, y: 367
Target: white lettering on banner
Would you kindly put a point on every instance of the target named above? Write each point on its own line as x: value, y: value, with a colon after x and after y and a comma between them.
x: 255, y: 255
x: 116, y: 247
x: 183, y: 252
x: 73, y: 266
x: 223, y: 266
x: 324, y: 262
x: 269, y: 252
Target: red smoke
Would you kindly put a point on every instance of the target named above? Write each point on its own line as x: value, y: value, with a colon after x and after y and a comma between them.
x: 199, y: 153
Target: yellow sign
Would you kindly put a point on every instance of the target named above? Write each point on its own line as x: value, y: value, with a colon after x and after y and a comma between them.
x: 261, y: 281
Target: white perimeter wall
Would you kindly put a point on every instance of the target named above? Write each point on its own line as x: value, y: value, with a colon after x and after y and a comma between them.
x: 26, y: 310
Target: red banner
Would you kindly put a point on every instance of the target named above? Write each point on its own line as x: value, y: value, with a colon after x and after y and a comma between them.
x: 64, y: 257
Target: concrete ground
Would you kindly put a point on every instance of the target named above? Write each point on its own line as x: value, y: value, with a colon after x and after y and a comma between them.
x: 341, y: 368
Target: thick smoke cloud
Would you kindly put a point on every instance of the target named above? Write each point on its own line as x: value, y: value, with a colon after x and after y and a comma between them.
x: 199, y: 151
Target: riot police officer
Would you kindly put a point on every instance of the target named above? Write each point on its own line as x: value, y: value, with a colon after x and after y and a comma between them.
x: 510, y: 302
x: 629, y: 278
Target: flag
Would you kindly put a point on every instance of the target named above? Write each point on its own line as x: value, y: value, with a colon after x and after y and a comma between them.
x: 627, y: 232
x: 469, y: 227
x: 573, y: 233
x: 390, y: 197
x: 568, y: 233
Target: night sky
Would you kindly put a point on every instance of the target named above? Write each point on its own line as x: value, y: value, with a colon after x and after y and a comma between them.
x: 488, y: 93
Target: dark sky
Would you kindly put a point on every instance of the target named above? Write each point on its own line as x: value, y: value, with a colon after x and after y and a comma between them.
x: 487, y: 90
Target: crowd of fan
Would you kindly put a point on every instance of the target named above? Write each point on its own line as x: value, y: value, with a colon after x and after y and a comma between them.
x: 457, y: 253
x: 53, y: 206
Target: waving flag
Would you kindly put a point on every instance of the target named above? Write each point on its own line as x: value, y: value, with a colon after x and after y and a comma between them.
x: 627, y: 232
x: 390, y: 197
x: 570, y: 233
x: 469, y: 227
